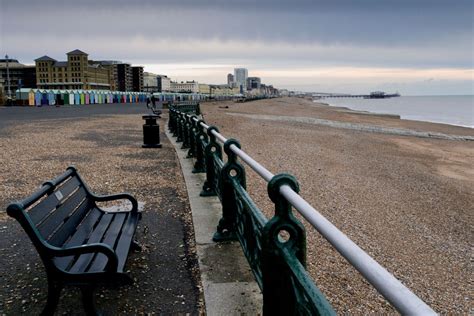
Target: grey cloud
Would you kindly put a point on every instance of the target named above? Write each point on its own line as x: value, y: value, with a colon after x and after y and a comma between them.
x: 365, y: 21
x: 287, y: 34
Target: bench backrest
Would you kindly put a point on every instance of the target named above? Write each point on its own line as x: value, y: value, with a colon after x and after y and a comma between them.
x: 52, y: 213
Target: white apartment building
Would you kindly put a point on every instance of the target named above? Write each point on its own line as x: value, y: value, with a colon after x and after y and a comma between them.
x: 150, y: 82
x: 164, y: 83
x: 188, y: 86
x: 240, y: 77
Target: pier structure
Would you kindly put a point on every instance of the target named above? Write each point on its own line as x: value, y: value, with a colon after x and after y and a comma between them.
x: 372, y: 95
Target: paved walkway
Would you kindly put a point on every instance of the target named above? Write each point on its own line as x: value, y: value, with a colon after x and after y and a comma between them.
x: 228, y: 283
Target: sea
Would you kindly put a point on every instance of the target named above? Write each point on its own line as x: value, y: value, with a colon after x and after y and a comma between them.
x: 454, y: 110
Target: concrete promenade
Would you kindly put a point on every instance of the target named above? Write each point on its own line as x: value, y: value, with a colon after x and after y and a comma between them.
x: 228, y: 283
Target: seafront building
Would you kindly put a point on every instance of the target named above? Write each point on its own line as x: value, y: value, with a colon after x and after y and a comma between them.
x: 112, y: 66
x: 204, y: 88
x: 150, y: 82
x: 224, y: 90
x: 20, y: 76
x: 253, y: 83
x: 164, y: 83
x: 185, y: 87
x: 137, y: 78
x: 77, y: 72
x: 156, y: 83
x: 217, y: 90
x: 230, y: 80
x: 125, y: 77
x: 80, y: 72
x: 240, y: 77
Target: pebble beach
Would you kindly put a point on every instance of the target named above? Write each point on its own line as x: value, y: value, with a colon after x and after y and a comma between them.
x: 104, y: 143
x: 402, y: 190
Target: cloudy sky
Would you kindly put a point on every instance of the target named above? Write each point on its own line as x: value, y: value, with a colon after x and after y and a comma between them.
x: 416, y: 47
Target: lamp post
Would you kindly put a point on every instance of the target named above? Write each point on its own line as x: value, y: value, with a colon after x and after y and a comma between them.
x: 9, y: 92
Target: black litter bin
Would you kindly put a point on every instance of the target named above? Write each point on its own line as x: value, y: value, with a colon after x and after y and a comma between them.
x: 151, y: 132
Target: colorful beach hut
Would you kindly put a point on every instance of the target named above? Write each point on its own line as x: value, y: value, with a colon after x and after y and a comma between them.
x: 77, y: 97
x: 23, y: 95
x: 57, y: 97
x: 44, y: 97
x: 38, y: 97
x: 51, y: 97
x: 31, y: 97
x: 65, y: 96
x: 92, y: 97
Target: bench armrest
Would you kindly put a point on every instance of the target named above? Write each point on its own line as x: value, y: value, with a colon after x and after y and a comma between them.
x: 103, y: 198
x: 105, y: 249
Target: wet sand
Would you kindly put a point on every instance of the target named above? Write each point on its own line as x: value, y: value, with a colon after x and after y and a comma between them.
x: 403, y: 198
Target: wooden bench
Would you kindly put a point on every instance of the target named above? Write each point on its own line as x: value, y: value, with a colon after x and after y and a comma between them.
x: 79, y: 243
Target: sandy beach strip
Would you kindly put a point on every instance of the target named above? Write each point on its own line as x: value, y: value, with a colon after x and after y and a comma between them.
x: 405, y: 198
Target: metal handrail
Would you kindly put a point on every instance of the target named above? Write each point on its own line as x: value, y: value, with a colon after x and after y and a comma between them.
x: 402, y: 298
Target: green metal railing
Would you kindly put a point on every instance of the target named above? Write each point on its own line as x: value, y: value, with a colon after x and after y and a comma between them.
x: 277, y: 263
x: 186, y: 106
x: 276, y: 248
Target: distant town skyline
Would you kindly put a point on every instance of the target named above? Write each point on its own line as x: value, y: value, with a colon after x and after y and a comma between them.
x: 415, y: 47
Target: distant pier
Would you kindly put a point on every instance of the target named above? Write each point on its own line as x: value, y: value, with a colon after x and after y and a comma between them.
x: 372, y: 95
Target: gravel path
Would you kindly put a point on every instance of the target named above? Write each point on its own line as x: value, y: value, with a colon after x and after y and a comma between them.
x: 107, y: 151
x: 405, y: 200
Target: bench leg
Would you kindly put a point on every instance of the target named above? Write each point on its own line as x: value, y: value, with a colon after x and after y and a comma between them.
x: 135, y: 246
x: 54, y: 291
x: 88, y: 300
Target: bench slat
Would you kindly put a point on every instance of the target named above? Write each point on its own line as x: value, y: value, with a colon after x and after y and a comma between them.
x: 79, y: 237
x: 71, y: 224
x: 58, y: 216
x: 110, y: 239
x: 38, y: 212
x: 84, y: 260
x: 123, y: 245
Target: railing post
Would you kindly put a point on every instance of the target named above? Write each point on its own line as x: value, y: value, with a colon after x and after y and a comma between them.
x: 179, y: 139
x: 212, y: 148
x: 192, y: 136
x: 281, y: 231
x: 201, y: 137
x: 232, y: 171
x: 176, y: 123
x: 198, y: 109
x: 186, y: 131
x: 171, y: 120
